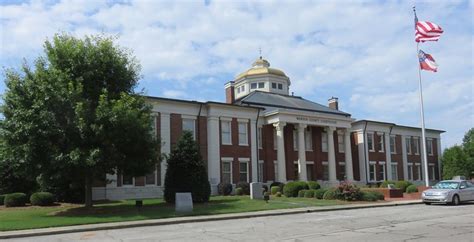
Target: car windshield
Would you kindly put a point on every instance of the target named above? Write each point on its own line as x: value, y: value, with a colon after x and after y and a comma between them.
x: 446, y: 185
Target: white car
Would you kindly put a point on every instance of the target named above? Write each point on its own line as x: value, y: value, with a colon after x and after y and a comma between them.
x: 450, y: 192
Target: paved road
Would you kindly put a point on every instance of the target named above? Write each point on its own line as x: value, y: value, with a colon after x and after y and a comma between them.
x: 402, y: 223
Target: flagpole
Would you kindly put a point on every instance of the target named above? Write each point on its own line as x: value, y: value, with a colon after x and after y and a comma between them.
x: 423, y: 138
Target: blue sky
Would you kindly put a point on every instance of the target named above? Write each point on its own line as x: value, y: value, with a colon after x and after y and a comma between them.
x: 360, y: 51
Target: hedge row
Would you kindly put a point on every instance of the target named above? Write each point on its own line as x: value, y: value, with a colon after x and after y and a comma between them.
x: 19, y: 199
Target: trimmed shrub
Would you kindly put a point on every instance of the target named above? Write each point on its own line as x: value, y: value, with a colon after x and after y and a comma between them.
x: 277, y: 184
x: 2, y: 199
x: 384, y: 184
x: 275, y: 189
x: 412, y: 189
x: 309, y: 193
x: 239, y: 191
x: 348, y: 192
x: 291, y: 189
x: 186, y: 171
x: 319, y: 193
x: 313, y: 185
x: 371, y: 196
x: 42, y: 199
x: 301, y: 193
x: 245, y: 187
x: 224, y: 189
x: 17, y: 199
x: 278, y: 194
x: 330, y: 194
x: 402, y: 185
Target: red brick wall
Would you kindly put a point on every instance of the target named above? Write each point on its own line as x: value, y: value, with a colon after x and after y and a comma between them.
x: 290, y: 154
x: 235, y: 150
x: 398, y: 157
x: 268, y: 154
x: 229, y: 94
x: 355, y: 156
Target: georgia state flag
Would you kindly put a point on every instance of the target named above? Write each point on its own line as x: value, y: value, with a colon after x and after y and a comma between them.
x: 427, y: 62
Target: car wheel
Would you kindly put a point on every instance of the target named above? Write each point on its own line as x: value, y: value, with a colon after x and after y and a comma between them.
x: 456, y: 200
x: 427, y: 203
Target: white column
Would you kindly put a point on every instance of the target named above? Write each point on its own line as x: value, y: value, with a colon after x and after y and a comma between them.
x: 302, y: 173
x: 254, y: 150
x: 404, y: 158
x: 348, y: 154
x: 388, y: 156
x: 281, y: 151
x: 213, y: 150
x: 165, y: 130
x: 331, y: 155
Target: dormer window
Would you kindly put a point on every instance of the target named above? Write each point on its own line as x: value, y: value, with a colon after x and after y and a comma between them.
x: 274, y: 85
x: 261, y: 85
x: 253, y: 85
x: 280, y: 86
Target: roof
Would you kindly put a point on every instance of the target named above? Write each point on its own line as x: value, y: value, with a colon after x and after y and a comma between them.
x: 271, y: 101
x: 199, y: 103
x: 394, y: 124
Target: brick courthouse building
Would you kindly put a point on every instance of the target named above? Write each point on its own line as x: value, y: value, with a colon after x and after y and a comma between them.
x: 262, y: 133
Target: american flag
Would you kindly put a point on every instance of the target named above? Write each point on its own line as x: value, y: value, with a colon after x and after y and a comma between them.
x: 426, y: 31
x: 427, y: 62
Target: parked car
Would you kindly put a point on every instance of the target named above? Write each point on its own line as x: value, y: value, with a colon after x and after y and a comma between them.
x: 450, y: 192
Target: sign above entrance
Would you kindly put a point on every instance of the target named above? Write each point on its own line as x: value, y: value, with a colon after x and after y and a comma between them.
x: 315, y: 120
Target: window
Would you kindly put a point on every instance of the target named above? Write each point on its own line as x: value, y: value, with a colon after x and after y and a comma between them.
x: 153, y: 126
x: 342, y: 170
x: 309, y: 172
x: 238, y: 90
x: 244, y: 171
x: 260, y: 140
x: 432, y: 171
x: 275, y: 143
x: 275, y: 165
x: 325, y: 171
x: 260, y: 170
x: 274, y: 85
x: 408, y: 144
x: 370, y: 141
x: 188, y: 125
x: 242, y: 88
x: 418, y: 170
x: 416, y: 146
x: 127, y: 180
x: 150, y: 178
x: 393, y: 146
x: 340, y: 143
x: 429, y: 146
x: 253, y: 85
x: 394, y: 171
x: 372, y: 171
x: 381, y: 142
x: 261, y: 85
x: 226, y: 134
x: 227, y: 172
x: 308, y: 140
x: 243, y: 139
x: 382, y: 171
x: 295, y: 140
x: 410, y: 171
x: 280, y: 86
x: 324, y: 141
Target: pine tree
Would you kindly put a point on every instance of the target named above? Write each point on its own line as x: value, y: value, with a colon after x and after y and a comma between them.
x: 186, y: 171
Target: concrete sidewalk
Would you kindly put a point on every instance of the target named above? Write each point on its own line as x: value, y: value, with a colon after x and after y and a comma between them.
x: 191, y: 219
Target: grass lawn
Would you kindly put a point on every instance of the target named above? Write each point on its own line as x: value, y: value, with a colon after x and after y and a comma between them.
x: 41, y: 217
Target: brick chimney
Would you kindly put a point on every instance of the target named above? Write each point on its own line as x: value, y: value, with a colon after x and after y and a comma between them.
x: 333, y: 103
x: 229, y: 92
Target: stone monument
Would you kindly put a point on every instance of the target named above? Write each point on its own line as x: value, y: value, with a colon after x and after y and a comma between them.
x: 183, y: 202
x: 256, y: 190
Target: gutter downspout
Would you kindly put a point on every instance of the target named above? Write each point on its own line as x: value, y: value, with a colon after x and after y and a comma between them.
x: 258, y: 151
x: 365, y: 152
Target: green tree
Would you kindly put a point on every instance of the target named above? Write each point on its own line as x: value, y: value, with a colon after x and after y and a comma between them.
x: 459, y: 159
x: 186, y: 171
x: 75, y: 114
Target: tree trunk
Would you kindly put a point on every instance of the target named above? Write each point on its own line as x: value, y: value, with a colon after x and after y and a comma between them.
x: 88, y: 191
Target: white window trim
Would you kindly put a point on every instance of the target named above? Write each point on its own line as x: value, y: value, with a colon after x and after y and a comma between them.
x: 246, y: 161
x: 246, y: 133
x: 433, y: 175
x: 191, y: 118
x: 325, y: 164
x: 324, y: 134
x: 394, y: 151
x: 371, y: 149
x: 408, y: 140
x: 410, y: 164
x: 373, y: 163
x: 230, y: 131
x: 381, y: 141
x: 295, y: 140
x: 418, y: 169
x: 431, y: 146
x: 309, y: 162
x: 384, y: 169
x: 308, y: 133
x: 340, y: 137
x: 416, y: 142
x: 229, y: 160
x: 396, y: 170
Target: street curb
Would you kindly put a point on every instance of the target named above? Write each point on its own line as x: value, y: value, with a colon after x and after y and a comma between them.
x: 191, y: 219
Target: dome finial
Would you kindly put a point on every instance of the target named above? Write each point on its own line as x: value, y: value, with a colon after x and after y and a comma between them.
x: 260, y: 52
